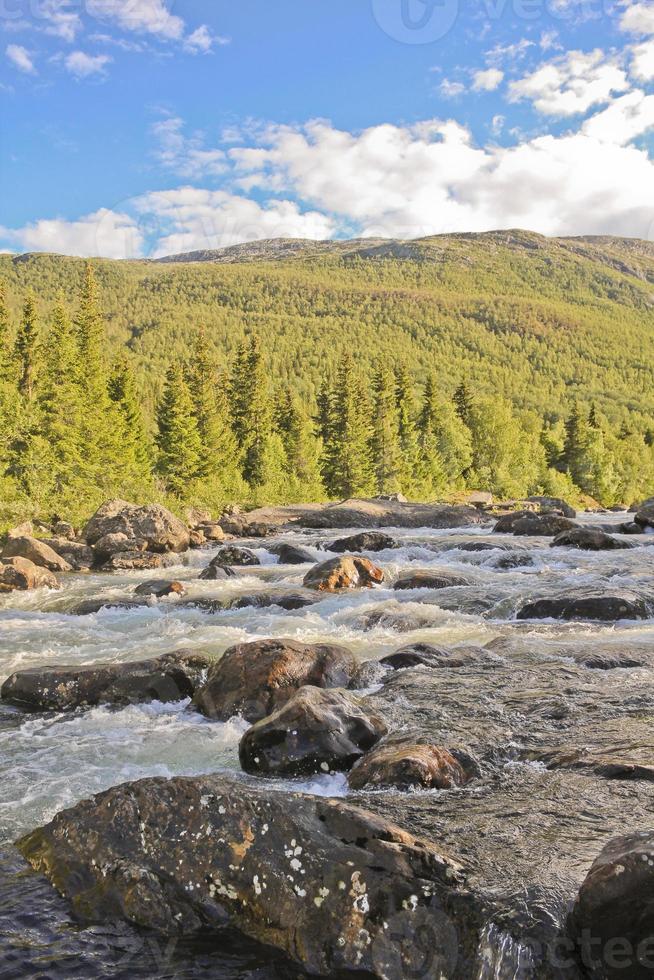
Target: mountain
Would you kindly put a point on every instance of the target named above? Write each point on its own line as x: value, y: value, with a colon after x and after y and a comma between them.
x: 542, y: 321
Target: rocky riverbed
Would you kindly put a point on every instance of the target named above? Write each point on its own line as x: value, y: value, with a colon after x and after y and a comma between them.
x: 538, y: 728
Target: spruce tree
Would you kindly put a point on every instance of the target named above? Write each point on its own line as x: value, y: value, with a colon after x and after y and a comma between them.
x: 431, y: 472
x: 27, y: 348
x: 406, y: 411
x: 219, y: 456
x: 326, y: 422
x: 178, y: 439
x: 302, y: 449
x: 252, y: 415
x: 136, y: 454
x: 5, y: 353
x: 91, y: 339
x: 463, y: 402
x: 386, y: 445
x: 350, y: 449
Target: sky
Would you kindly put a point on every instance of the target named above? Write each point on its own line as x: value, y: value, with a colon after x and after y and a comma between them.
x: 142, y: 128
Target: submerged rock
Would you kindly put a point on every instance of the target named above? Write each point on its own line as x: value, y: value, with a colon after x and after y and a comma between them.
x: 160, y: 588
x: 316, y: 731
x: 338, y: 889
x: 605, y: 608
x: 263, y: 600
x: 427, y: 655
x: 290, y: 554
x: 254, y: 679
x: 38, y: 552
x: 348, y: 572
x: 21, y: 574
x: 172, y: 677
x: 587, y: 539
x: 511, y: 560
x: 612, y: 921
x: 409, y: 765
x: 158, y: 527
x: 428, y: 579
x: 366, y: 541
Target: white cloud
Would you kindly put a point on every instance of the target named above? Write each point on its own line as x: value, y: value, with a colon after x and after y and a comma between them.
x: 140, y: 16
x: 488, y: 80
x: 21, y: 59
x: 82, y: 65
x: 202, y: 41
x: 61, y: 20
x: 186, y: 156
x: 571, y: 84
x: 450, y: 89
x: 431, y: 178
x: 624, y: 120
x: 638, y: 18
x: 642, y: 65
x: 105, y: 233
x: 189, y: 218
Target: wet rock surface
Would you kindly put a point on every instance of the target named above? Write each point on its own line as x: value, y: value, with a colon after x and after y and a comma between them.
x: 290, y: 554
x: 253, y: 679
x: 38, y: 552
x: 155, y: 525
x: 367, y: 541
x: 430, y: 579
x: 316, y: 731
x: 589, y: 540
x: 169, y: 678
x: 606, y: 608
x: 407, y: 766
x: 21, y: 574
x: 349, y: 572
x: 233, y: 556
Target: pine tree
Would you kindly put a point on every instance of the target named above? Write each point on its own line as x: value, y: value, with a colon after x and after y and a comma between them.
x: 431, y: 472
x: 219, y: 457
x: 406, y: 411
x: 386, y: 445
x: 91, y: 334
x: 593, y: 420
x: 27, y: 348
x: 136, y: 454
x: 576, y: 442
x: 463, y: 402
x: 302, y: 449
x: 350, y: 439
x: 327, y: 426
x: 178, y: 439
x: 5, y: 353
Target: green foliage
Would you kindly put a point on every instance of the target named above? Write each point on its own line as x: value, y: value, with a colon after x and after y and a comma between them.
x: 347, y: 433
x: 178, y: 438
x: 28, y: 348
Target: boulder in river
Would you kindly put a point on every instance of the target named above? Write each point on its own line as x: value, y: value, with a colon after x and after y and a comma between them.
x: 21, y: 574
x: 35, y: 551
x: 340, y: 890
x: 263, y: 600
x: 213, y: 573
x: 232, y: 556
x: 430, y: 579
x: 153, y: 523
x: 408, y: 765
x: 137, y: 561
x: 604, y: 608
x: 348, y: 572
x: 545, y: 525
x: 365, y: 541
x: 427, y: 655
x: 78, y: 554
x: 316, y: 731
x: 290, y: 554
x: 612, y: 921
x: 588, y: 539
x: 158, y: 588
x: 118, y: 541
x: 172, y: 677
x: 253, y: 679
x: 645, y: 517
x: 555, y: 503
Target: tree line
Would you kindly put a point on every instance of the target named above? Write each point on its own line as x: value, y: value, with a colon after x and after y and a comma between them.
x: 74, y: 430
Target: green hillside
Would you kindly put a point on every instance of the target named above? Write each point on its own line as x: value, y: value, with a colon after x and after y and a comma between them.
x: 541, y: 320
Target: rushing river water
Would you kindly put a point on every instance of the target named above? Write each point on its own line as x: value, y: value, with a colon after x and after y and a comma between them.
x: 49, y: 762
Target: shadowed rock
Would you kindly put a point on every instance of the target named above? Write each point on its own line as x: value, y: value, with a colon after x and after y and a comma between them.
x: 38, y: 552
x: 348, y: 572
x: 235, y: 556
x: 612, y: 920
x: 76, y: 553
x: 263, y: 600
x: 645, y: 517
x: 137, y: 561
x: 316, y: 731
x: 587, y: 539
x: 169, y: 678
x: 366, y: 541
x: 216, y: 572
x: 158, y: 527
x: 545, y: 525
x: 511, y: 560
x: 408, y: 765
x: 253, y: 679
x: 87, y: 607
x: 290, y: 554
x: 21, y: 574
x: 340, y: 890
x: 427, y: 579
x: 605, y: 608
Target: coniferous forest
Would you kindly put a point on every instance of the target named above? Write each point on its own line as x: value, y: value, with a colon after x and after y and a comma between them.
x: 497, y: 368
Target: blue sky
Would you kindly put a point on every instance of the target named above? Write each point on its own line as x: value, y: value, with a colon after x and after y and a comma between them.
x: 145, y: 127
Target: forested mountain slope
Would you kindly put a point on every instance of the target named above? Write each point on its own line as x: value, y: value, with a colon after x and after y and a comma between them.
x: 541, y: 321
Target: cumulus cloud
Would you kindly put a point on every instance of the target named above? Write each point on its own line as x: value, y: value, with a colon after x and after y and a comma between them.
x: 450, y: 89
x: 62, y: 20
x: 83, y: 65
x: 624, y: 120
x: 638, y: 18
x: 571, y: 84
x: 202, y: 41
x: 487, y: 80
x: 105, y: 233
x: 186, y: 156
x: 642, y: 64
x: 188, y: 218
x: 21, y: 59
x: 141, y: 16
